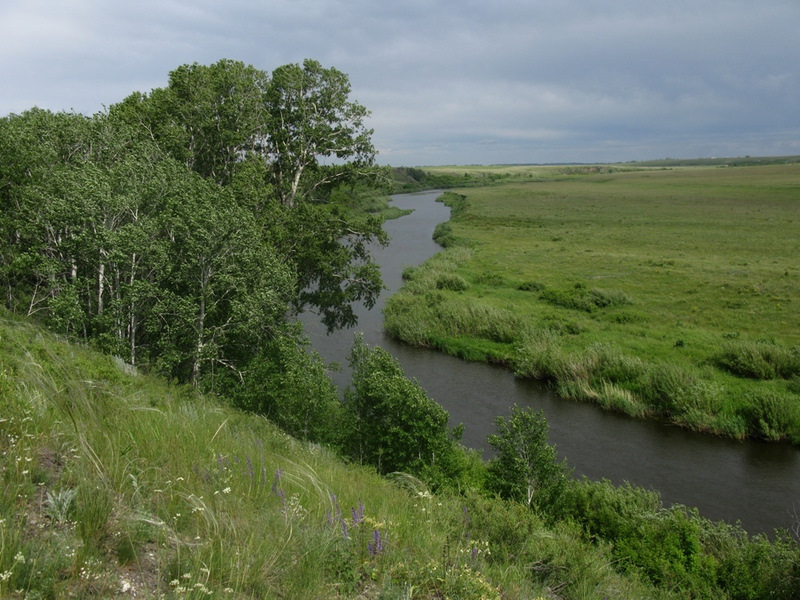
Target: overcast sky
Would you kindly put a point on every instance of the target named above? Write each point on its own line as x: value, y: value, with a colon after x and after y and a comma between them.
x: 452, y: 81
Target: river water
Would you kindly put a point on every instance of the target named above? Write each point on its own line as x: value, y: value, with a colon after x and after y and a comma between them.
x: 755, y: 483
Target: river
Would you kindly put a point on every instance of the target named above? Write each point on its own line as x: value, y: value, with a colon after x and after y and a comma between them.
x: 755, y: 483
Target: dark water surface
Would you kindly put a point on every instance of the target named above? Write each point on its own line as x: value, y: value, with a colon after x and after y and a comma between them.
x: 755, y: 483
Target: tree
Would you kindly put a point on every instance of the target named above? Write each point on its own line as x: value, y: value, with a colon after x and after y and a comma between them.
x: 208, y: 117
x: 393, y: 425
x: 224, y: 290
x: 311, y: 117
x: 267, y: 138
x: 525, y: 468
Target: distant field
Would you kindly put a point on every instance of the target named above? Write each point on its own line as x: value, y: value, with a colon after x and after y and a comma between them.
x: 669, y: 293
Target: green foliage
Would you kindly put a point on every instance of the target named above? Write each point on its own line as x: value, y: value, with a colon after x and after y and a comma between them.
x: 392, y: 424
x: 310, y: 116
x: 452, y: 282
x: 773, y: 416
x: 531, y: 286
x: 177, y: 229
x: 288, y: 384
x: 677, y: 549
x: 525, y: 469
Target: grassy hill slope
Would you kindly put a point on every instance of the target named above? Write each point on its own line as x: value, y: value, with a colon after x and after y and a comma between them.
x: 118, y: 485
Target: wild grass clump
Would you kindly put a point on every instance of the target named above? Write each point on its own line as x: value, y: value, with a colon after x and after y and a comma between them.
x: 773, y: 416
x: 540, y: 355
x: 579, y: 297
x: 759, y: 360
x: 451, y: 282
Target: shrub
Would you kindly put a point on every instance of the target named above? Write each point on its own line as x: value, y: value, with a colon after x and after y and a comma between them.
x: 392, y: 424
x: 580, y: 298
x: 443, y: 235
x: 490, y: 278
x: 288, y: 384
x: 531, y: 286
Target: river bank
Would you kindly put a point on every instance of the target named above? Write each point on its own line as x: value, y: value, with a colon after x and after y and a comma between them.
x: 658, y: 295
x: 752, y: 482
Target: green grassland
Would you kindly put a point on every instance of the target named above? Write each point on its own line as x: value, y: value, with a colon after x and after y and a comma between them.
x: 662, y: 293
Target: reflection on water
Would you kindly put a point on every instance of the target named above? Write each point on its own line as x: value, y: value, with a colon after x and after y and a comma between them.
x: 756, y: 483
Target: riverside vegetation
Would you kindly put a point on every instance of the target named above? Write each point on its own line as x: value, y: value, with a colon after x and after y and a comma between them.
x: 118, y: 484
x: 660, y: 293
x: 205, y: 452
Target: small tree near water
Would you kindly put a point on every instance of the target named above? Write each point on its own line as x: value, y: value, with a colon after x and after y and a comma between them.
x: 525, y: 468
x: 392, y: 423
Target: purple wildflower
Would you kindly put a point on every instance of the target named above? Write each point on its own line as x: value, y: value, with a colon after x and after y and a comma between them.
x: 276, y: 487
x: 358, y: 515
x: 375, y: 547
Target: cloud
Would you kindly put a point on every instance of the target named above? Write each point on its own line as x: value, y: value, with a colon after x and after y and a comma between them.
x: 452, y: 81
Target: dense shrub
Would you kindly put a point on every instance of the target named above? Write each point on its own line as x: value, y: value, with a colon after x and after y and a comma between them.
x: 451, y: 282
x: 531, y: 286
x: 490, y: 278
x: 443, y: 235
x: 288, y: 384
x: 677, y: 549
x: 753, y: 567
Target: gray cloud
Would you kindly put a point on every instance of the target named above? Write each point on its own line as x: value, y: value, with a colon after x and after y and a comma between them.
x: 452, y: 81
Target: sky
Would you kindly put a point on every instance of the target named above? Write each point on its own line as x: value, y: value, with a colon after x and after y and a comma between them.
x: 452, y: 82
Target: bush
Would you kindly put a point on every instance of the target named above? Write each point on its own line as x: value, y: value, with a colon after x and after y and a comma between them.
x: 580, y: 298
x: 531, y: 286
x: 288, y: 384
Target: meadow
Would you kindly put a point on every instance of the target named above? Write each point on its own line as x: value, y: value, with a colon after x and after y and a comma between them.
x: 667, y: 293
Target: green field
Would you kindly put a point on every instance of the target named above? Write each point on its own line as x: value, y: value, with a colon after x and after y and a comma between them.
x: 665, y: 293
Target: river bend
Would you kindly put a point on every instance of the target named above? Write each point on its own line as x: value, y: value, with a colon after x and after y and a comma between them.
x: 752, y: 482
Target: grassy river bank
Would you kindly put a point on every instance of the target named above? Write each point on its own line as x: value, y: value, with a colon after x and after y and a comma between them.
x: 663, y: 293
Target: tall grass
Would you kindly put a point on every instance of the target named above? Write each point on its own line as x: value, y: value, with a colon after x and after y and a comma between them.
x: 117, y: 485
